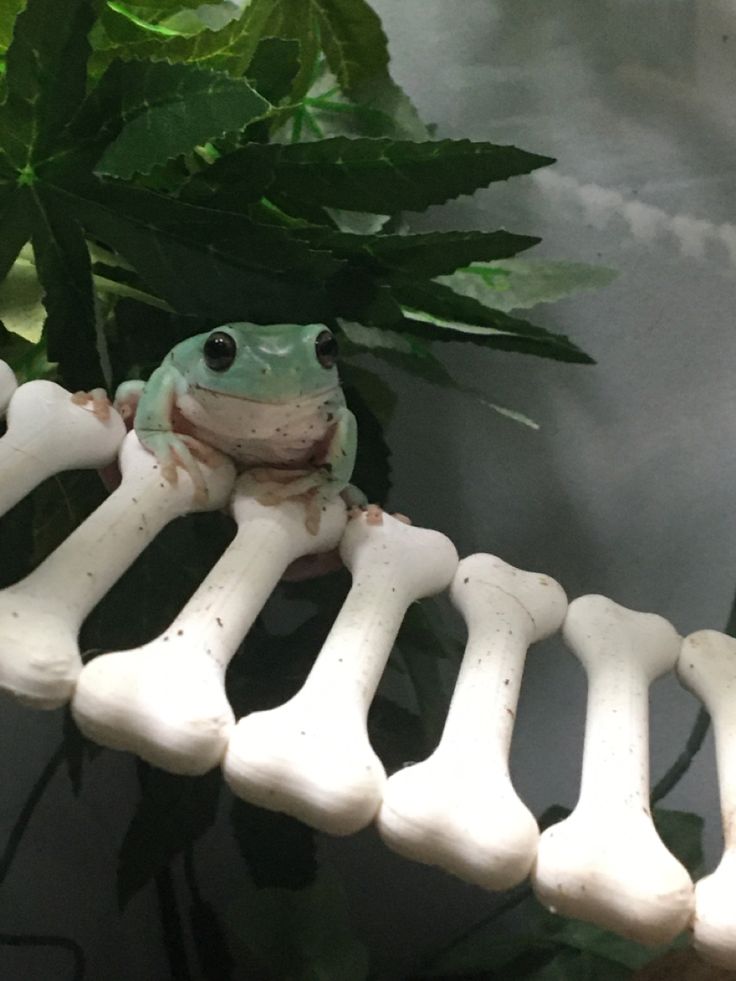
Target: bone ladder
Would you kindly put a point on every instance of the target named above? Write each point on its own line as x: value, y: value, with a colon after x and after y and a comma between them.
x: 311, y: 757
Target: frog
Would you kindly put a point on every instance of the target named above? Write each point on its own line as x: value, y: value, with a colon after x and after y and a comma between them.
x: 267, y: 396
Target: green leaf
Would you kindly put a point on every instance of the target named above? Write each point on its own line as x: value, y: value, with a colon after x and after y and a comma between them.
x: 173, y: 811
x: 602, y: 943
x: 371, y: 402
x: 64, y: 268
x: 274, y: 67
x: 209, y: 263
x: 522, y: 283
x: 36, y: 54
x: 229, y: 49
x: 435, y: 312
x: 299, y: 934
x: 385, y: 176
x: 166, y: 110
x: 353, y: 41
x: 9, y: 10
x: 427, y: 255
x: 21, y: 309
x: 414, y: 355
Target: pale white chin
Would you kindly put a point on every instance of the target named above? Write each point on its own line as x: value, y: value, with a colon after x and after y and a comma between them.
x: 280, y: 433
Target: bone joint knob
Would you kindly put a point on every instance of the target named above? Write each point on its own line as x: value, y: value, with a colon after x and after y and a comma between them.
x: 311, y: 757
x: 707, y: 666
x: 606, y: 863
x: 458, y: 809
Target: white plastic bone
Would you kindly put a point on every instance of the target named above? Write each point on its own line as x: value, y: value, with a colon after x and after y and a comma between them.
x: 48, y: 433
x: 40, y: 616
x: 311, y: 757
x: 458, y: 809
x: 707, y: 666
x: 605, y: 863
x: 166, y: 700
x: 8, y: 384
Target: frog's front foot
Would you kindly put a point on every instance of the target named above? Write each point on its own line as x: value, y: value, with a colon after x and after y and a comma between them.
x: 96, y: 401
x: 374, y: 514
x: 178, y: 450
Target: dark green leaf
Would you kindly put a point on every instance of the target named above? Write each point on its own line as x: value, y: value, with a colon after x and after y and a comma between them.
x: 77, y: 750
x: 47, y: 46
x: 206, y: 262
x: 299, y: 934
x: 435, y: 312
x: 369, y: 399
x: 432, y: 253
x: 354, y: 42
x: 278, y: 850
x: 166, y: 110
x: 385, y: 176
x: 602, y: 943
x: 274, y: 67
x: 64, y: 269
x: 173, y: 811
x: 15, y: 224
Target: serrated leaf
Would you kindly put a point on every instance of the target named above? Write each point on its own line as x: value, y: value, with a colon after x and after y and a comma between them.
x: 299, y: 934
x: 413, y: 354
x: 435, y: 312
x: 209, y: 263
x: 274, y: 67
x: 426, y: 255
x: 384, y: 176
x: 64, y: 268
x: 166, y: 110
x: 173, y: 811
x: 229, y: 49
x: 518, y: 284
x: 36, y: 54
x: 353, y: 40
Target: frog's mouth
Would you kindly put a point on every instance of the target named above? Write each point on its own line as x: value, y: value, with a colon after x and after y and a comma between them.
x: 286, y: 400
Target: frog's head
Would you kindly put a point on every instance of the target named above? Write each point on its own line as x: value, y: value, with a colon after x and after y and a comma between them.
x: 274, y: 363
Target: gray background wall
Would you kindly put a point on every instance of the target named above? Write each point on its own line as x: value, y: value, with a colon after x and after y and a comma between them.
x: 627, y: 488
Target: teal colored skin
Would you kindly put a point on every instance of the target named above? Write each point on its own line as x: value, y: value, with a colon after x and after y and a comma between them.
x: 276, y: 410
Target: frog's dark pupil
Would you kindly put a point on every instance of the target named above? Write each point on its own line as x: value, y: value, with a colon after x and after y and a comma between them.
x: 326, y: 348
x: 219, y: 351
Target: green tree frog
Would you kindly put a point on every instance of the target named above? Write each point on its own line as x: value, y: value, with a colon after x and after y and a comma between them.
x: 267, y: 396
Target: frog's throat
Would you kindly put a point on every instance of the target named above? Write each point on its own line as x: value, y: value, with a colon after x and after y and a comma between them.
x: 284, y: 401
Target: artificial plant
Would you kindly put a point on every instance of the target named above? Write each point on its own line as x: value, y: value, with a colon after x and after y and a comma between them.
x: 166, y: 166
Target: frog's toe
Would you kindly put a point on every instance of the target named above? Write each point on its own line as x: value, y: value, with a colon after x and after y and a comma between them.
x: 96, y: 401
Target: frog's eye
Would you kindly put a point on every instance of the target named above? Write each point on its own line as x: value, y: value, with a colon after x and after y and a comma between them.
x: 326, y: 348
x: 219, y: 351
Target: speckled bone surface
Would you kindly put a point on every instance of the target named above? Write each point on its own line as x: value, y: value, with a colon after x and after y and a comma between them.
x: 707, y: 666
x: 47, y: 433
x: 311, y: 757
x: 40, y: 616
x: 166, y: 700
x: 458, y: 809
x: 605, y: 863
